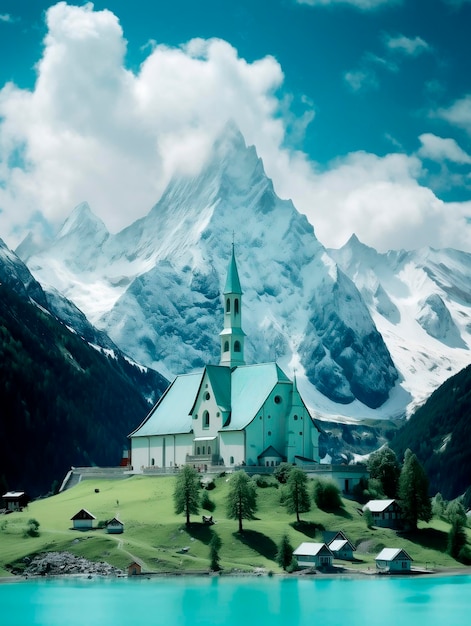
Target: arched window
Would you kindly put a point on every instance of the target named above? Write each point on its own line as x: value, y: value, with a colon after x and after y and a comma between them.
x: 226, y: 346
x: 231, y: 460
x: 202, y: 451
x: 236, y: 306
x: 198, y: 450
x: 228, y: 305
x: 152, y: 462
x: 206, y: 419
x: 237, y: 346
x: 209, y: 449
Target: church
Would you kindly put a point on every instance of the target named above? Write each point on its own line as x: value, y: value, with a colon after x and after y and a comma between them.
x: 229, y: 415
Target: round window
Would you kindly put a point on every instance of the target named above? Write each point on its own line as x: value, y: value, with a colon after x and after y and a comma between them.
x: 277, y: 399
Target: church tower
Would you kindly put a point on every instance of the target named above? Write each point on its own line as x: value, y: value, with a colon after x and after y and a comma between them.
x: 232, y: 336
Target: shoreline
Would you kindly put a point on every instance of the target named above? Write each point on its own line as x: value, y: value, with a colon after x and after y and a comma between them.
x: 345, y: 574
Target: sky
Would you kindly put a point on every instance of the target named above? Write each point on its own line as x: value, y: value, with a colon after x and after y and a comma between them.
x: 360, y: 110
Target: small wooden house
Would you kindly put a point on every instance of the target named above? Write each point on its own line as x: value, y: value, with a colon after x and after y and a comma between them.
x: 15, y: 500
x: 386, y: 513
x: 114, y: 526
x: 313, y: 555
x: 83, y: 520
x: 134, y: 569
x: 393, y: 560
x: 342, y: 549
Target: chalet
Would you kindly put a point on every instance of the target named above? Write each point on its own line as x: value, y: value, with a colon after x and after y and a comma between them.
x: 393, y: 560
x: 83, y: 520
x: 15, y: 500
x: 114, y: 526
x: 231, y: 414
x: 134, y: 569
x: 342, y: 549
x: 313, y: 555
x: 386, y: 513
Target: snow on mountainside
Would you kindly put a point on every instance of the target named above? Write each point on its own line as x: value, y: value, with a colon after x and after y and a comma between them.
x: 155, y: 287
x: 421, y: 304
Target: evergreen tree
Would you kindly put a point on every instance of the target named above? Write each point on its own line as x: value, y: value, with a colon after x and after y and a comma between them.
x: 296, y: 497
x: 284, y: 556
x: 384, y: 466
x: 241, y: 498
x: 186, y: 495
x: 413, y: 491
x: 214, y: 547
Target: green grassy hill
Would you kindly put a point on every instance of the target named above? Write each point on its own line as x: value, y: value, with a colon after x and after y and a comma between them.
x: 156, y: 536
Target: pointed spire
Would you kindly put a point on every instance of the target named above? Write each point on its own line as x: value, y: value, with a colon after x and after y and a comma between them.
x: 232, y: 280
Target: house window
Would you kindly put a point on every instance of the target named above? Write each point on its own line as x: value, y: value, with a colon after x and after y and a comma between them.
x: 236, y: 306
x: 277, y: 399
x: 209, y: 449
x: 207, y: 395
x: 228, y: 305
x: 202, y: 450
x: 231, y: 460
x: 198, y: 450
x: 226, y: 346
x: 206, y: 419
x: 152, y: 461
x: 237, y: 346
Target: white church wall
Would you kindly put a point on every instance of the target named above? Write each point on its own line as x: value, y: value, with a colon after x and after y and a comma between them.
x: 206, y: 402
x: 232, y: 447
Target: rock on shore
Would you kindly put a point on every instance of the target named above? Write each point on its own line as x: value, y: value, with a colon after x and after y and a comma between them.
x: 65, y: 563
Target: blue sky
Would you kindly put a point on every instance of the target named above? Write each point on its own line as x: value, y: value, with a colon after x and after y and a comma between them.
x: 360, y: 109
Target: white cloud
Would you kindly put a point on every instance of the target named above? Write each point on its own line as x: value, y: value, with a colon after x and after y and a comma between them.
x: 6, y: 17
x: 361, y: 80
x: 92, y: 130
x: 459, y: 113
x: 407, y: 45
x: 364, y: 5
x: 441, y: 149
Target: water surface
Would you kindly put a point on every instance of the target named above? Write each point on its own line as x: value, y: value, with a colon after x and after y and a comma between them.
x: 433, y: 601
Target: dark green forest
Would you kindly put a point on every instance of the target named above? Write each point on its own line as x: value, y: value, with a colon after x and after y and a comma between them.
x: 439, y: 433
x: 62, y: 402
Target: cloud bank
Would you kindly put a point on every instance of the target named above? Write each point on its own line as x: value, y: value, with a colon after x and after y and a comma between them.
x: 93, y: 130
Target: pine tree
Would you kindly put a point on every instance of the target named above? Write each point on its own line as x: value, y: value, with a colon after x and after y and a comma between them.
x: 296, y: 497
x: 241, y: 498
x: 413, y: 491
x: 186, y: 495
x: 214, y: 547
x: 284, y: 556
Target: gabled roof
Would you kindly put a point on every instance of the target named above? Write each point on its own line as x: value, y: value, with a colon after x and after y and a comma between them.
x: 340, y: 544
x: 308, y: 548
x: 220, y: 380
x: 251, y: 386
x: 83, y: 514
x: 172, y: 413
x: 115, y: 520
x: 378, y: 506
x: 270, y: 451
x: 331, y: 535
x: 393, y: 554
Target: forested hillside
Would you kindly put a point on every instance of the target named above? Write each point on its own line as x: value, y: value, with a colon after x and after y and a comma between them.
x: 62, y: 402
x: 440, y: 435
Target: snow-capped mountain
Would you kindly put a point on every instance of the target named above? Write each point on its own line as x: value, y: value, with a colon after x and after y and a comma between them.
x: 156, y: 287
x: 420, y: 302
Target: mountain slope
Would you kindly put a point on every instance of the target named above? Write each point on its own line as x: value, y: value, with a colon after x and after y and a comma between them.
x: 420, y: 302
x: 156, y: 286
x: 439, y: 433
x: 63, y: 401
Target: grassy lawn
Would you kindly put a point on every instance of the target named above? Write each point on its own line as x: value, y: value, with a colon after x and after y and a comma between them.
x: 159, y: 538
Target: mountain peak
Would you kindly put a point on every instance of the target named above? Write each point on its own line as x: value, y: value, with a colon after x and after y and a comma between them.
x: 82, y: 219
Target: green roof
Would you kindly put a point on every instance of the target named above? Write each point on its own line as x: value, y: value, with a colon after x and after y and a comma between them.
x: 232, y: 280
x: 172, y: 413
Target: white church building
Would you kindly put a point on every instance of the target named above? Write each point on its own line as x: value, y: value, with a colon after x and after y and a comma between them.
x: 231, y: 414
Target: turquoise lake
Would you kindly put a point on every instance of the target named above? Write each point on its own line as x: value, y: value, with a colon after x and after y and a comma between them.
x: 238, y: 602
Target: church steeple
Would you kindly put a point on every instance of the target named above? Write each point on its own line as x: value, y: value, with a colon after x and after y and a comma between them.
x: 232, y: 336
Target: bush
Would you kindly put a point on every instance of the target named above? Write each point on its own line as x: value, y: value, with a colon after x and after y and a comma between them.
x: 282, y: 471
x: 264, y: 481
x: 32, y: 529
x: 368, y: 517
x: 327, y: 495
x: 210, y: 485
